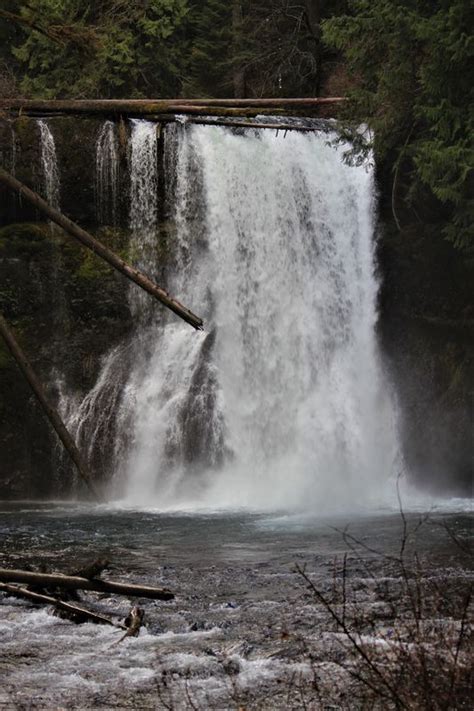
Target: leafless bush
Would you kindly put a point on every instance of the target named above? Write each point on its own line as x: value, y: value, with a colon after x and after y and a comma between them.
x: 419, y: 655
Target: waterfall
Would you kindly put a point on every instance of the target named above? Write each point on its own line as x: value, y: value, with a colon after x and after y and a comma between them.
x: 50, y: 166
x: 107, y: 164
x: 143, y: 206
x: 281, y: 402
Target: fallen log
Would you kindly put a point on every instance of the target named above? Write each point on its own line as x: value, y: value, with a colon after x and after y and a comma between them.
x: 143, y: 107
x: 132, y: 273
x: 74, y: 582
x: 51, y: 413
x: 79, y: 613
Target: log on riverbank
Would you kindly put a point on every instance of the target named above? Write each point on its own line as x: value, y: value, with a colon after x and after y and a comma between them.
x: 74, y: 582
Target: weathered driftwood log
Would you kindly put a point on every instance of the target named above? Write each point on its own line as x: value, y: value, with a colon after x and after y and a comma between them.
x: 51, y: 413
x: 73, y: 582
x: 80, y: 614
x: 137, y: 107
x: 101, y: 250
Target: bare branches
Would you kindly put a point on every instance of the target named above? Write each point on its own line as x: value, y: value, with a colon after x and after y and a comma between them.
x: 421, y: 660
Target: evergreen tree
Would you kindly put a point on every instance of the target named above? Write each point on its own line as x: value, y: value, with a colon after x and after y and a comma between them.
x: 72, y: 48
x: 411, y: 63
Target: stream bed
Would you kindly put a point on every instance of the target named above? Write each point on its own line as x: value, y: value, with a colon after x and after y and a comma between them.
x: 245, y: 630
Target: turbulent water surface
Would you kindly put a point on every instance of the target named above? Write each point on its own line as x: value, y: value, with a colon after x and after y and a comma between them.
x: 244, y: 630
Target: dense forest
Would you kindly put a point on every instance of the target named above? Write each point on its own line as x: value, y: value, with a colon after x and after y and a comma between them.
x: 404, y: 63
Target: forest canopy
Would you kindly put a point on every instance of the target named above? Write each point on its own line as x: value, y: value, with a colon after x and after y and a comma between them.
x: 405, y: 64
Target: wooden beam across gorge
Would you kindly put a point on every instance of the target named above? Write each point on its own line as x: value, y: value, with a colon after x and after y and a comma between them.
x: 149, y: 107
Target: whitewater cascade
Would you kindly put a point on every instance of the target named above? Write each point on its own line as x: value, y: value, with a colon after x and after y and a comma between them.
x: 50, y: 165
x: 107, y: 173
x: 281, y: 402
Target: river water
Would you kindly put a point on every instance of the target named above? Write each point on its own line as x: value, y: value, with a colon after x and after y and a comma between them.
x: 243, y: 631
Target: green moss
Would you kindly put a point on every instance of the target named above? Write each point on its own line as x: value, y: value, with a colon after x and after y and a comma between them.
x: 5, y: 357
x: 84, y: 264
x: 92, y: 267
x: 24, y: 238
x: 23, y: 128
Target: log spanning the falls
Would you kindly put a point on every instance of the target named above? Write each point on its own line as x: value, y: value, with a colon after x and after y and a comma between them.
x: 74, y: 582
x: 132, y: 273
x: 148, y: 107
x: 49, y: 410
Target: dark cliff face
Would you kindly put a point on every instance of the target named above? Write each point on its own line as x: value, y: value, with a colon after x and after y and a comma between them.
x: 66, y: 307
x: 427, y: 331
x: 68, y: 310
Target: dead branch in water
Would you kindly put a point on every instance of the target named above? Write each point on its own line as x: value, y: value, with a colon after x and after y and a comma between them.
x: 76, y: 612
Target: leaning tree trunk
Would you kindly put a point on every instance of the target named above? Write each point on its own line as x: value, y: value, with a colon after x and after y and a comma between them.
x: 51, y: 413
x: 132, y: 273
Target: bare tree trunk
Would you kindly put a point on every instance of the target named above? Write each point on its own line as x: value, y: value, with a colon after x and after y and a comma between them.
x: 313, y: 18
x: 102, y: 251
x: 50, y: 411
x: 238, y: 71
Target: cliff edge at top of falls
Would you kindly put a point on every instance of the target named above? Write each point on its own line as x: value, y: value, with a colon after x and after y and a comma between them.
x: 68, y: 309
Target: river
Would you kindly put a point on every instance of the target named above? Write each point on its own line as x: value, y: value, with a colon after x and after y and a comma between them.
x: 244, y: 630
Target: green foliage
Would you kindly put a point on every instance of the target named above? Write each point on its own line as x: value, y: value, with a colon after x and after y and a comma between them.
x: 24, y: 239
x: 71, y: 48
x: 411, y: 61
x: 211, y: 58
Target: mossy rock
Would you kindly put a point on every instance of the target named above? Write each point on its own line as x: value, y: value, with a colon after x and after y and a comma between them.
x: 23, y: 239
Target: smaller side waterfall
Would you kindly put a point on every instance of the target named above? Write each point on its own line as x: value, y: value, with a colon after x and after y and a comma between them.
x: 143, y: 205
x: 107, y: 174
x: 144, y: 188
x: 50, y: 166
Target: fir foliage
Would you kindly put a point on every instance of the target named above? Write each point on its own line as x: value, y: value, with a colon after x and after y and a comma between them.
x: 411, y: 62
